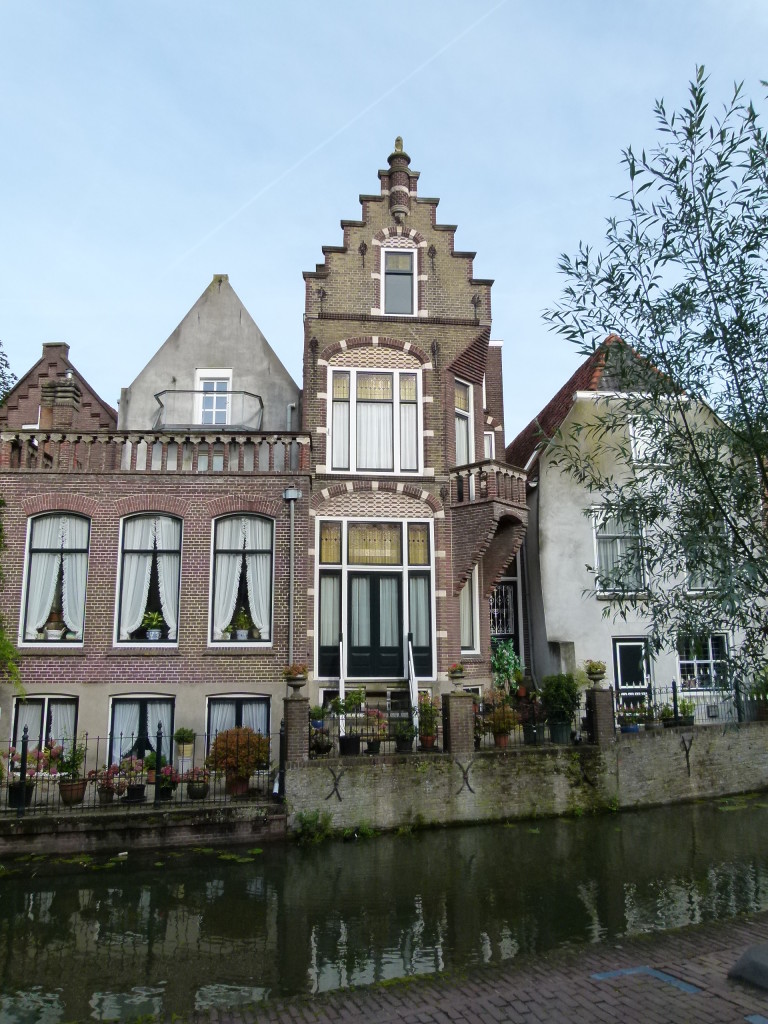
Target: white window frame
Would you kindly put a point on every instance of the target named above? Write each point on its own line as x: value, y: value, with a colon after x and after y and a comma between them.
x: 241, y: 696
x: 399, y: 251
x: 630, y: 641
x: 118, y: 589
x: 351, y: 403
x: 238, y: 644
x: 489, y: 444
x: 138, y: 698
x: 212, y: 374
x: 46, y: 699
x: 709, y: 661
x: 23, y: 612
x: 469, y: 416
x: 599, y: 518
x: 472, y: 581
x: 343, y: 568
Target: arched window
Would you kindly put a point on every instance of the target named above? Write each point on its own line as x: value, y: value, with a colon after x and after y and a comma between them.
x: 149, y: 580
x: 56, y: 576
x: 242, y: 579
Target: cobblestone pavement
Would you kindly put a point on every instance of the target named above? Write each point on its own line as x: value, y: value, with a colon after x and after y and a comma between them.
x: 671, y: 978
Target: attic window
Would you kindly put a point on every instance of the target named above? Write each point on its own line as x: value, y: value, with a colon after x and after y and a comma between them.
x: 213, y: 388
x: 399, y: 280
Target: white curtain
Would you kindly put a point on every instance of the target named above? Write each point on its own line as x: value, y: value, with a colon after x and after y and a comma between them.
x: 340, y: 436
x: 160, y: 711
x: 168, y: 560
x: 125, y: 727
x: 29, y: 713
x: 43, y: 572
x: 374, y: 435
x: 137, y: 533
x: 255, y: 715
x: 360, y: 600
x: 462, y: 440
x: 466, y: 615
x: 389, y: 613
x: 75, y: 535
x: 418, y: 598
x: 62, y: 722
x: 330, y: 610
x: 229, y: 535
x: 409, y: 455
x: 222, y: 717
x: 258, y: 575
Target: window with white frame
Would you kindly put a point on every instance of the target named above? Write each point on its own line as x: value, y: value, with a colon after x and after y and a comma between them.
x: 232, y: 711
x: 489, y: 445
x: 242, y: 579
x: 619, y: 553
x: 49, y: 721
x: 703, y: 661
x: 213, y: 392
x: 150, y: 563
x: 468, y: 617
x: 399, y: 282
x: 57, y: 569
x: 134, y: 725
x: 465, y: 444
x: 375, y: 421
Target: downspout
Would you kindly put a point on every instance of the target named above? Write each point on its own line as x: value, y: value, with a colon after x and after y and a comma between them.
x: 291, y: 495
x: 289, y: 415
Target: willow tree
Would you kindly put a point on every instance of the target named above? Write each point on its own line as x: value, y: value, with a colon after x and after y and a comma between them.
x: 679, y: 445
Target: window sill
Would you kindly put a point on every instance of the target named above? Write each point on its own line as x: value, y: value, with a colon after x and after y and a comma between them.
x: 143, y: 652
x: 52, y: 651
x: 239, y: 650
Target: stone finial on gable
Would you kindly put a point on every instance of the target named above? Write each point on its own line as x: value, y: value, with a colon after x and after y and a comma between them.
x: 398, y: 182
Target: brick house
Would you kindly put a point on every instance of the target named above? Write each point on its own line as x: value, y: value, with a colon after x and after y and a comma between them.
x: 148, y: 561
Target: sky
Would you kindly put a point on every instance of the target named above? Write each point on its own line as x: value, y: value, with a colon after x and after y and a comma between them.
x: 147, y: 146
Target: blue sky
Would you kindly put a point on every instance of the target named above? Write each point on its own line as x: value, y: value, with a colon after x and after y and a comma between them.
x: 148, y: 145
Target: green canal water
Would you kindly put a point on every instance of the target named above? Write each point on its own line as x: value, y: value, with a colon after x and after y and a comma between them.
x: 198, y: 930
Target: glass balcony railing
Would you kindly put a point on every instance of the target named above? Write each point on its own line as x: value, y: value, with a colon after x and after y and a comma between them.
x: 231, y: 410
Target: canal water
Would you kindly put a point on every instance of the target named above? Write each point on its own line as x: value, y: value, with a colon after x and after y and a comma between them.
x: 119, y: 938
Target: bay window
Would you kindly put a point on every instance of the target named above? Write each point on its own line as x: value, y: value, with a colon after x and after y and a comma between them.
x: 149, y: 579
x: 375, y: 421
x: 56, y: 577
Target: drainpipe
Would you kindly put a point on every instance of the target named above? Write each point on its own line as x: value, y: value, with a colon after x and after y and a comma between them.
x: 291, y: 495
x: 289, y: 414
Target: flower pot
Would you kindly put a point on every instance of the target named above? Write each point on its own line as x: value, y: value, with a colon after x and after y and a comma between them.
x: 184, y: 749
x: 521, y: 691
x: 241, y: 634
x: 165, y: 793
x: 349, y: 746
x: 134, y: 793
x: 197, y: 790
x: 54, y: 634
x: 14, y: 793
x: 427, y: 742
x: 532, y: 734
x: 151, y: 776
x: 403, y: 745
x: 72, y: 791
x: 501, y: 739
x: 105, y: 794
x: 560, y: 732
x: 373, y: 747
x: 632, y: 727
x: 153, y: 635
x: 236, y: 785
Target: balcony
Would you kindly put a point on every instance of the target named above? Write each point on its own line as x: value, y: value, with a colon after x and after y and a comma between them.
x: 223, y: 410
x: 489, y: 512
x: 201, y: 452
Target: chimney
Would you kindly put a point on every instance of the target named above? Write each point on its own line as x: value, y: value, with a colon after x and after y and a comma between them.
x: 59, y: 402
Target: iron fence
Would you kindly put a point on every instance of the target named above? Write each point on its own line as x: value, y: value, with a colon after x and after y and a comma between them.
x: 86, y: 775
x: 653, y: 706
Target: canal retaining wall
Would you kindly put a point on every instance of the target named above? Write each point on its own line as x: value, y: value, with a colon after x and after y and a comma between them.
x: 639, y: 770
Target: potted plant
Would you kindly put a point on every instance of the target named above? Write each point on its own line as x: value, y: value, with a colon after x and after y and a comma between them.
x: 686, y: 711
x: 404, y: 736
x: 197, y: 783
x: 184, y: 739
x: 500, y: 717
x: 55, y: 627
x: 15, y: 787
x: 630, y: 716
x: 71, y: 784
x: 505, y: 665
x: 349, y: 707
x: 456, y: 670
x: 560, y: 700
x: 319, y: 740
x: 132, y: 771
x: 295, y: 675
x: 238, y: 753
x: 595, y: 671
x: 758, y: 695
x: 151, y: 766
x: 152, y: 624
x: 375, y: 729
x: 429, y: 716
x: 242, y: 624
x: 167, y: 779
x: 108, y: 782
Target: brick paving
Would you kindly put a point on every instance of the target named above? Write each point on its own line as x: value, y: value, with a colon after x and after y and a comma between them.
x: 559, y: 987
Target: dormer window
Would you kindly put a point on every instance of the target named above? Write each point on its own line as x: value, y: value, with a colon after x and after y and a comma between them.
x: 213, y: 397
x: 399, y: 283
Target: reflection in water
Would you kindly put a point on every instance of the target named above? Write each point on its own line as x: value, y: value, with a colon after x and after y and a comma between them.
x: 203, y: 931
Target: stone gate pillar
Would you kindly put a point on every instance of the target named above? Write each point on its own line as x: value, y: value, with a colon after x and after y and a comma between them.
x: 600, y: 722
x: 296, y: 718
x: 459, y: 723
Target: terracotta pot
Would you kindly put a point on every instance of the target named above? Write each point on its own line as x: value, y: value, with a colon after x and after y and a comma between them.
x: 72, y: 791
x: 427, y: 742
x: 236, y: 785
x: 151, y: 775
x: 501, y: 739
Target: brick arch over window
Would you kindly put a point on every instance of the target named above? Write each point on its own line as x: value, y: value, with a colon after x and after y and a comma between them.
x: 137, y: 503
x: 320, y: 499
x: 390, y: 236
x: 376, y: 342
x: 228, y: 504
x: 57, y: 502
